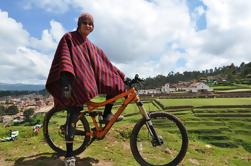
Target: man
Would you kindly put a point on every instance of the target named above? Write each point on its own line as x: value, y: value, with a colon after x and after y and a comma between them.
x: 80, y: 71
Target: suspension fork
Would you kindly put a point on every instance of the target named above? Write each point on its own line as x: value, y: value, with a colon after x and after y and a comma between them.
x: 156, y: 140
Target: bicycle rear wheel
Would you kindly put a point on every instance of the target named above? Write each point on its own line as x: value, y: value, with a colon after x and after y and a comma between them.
x: 170, y: 130
x: 54, y: 132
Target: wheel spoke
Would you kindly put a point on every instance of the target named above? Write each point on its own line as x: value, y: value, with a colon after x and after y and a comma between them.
x: 54, y: 132
x: 173, y: 148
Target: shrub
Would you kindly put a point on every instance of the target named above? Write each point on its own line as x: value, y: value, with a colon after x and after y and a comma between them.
x: 28, y: 113
x: 11, y: 110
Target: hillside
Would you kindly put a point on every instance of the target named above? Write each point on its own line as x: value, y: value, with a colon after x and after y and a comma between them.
x: 217, y: 136
x: 225, y: 75
x: 20, y: 87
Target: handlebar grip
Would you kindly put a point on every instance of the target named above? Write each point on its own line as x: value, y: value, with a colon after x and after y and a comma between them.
x: 129, y: 82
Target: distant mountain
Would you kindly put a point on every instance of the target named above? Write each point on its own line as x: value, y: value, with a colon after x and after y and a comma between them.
x: 21, y: 87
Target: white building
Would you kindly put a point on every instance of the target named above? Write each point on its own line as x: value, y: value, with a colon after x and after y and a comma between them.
x: 198, y: 86
x: 167, y: 88
x: 150, y: 91
x: 183, y: 86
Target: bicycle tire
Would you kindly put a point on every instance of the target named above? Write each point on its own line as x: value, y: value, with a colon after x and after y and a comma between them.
x: 51, y: 143
x: 141, y: 123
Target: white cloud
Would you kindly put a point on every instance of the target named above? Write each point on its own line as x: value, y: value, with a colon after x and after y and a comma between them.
x: 132, y: 30
x: 147, y: 37
x: 227, y: 37
x: 49, y: 38
x: 26, y: 66
x: 55, y: 6
x: 11, y: 32
x: 25, y: 59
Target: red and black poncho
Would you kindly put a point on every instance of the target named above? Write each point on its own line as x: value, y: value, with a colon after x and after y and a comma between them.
x: 92, y: 71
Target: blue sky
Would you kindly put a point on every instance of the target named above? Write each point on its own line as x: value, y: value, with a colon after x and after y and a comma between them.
x: 201, y: 22
x: 37, y: 19
x: 147, y: 37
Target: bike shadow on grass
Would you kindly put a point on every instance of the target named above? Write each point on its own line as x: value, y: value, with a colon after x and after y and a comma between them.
x: 51, y: 159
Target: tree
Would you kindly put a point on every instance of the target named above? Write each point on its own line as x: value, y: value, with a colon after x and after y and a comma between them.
x: 247, y: 69
x: 28, y: 113
x: 211, y: 71
x: 230, y: 72
x: 11, y: 110
x: 2, y: 110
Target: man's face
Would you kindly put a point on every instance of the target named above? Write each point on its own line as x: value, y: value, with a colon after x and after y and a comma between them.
x: 86, y: 27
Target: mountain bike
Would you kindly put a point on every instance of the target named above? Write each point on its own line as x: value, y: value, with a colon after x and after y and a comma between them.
x: 158, y: 138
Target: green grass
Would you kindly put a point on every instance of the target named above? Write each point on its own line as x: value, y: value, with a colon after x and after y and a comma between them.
x: 206, y: 101
x: 224, y: 128
x: 232, y: 88
x: 221, y: 141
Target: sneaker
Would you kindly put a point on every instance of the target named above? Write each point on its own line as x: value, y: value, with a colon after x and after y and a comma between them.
x: 109, y: 117
x: 69, y: 161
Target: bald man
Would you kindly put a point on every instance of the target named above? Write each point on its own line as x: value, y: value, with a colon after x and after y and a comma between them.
x: 80, y: 71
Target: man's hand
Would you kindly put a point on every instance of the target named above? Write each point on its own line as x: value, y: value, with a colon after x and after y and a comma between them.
x: 127, y: 81
x: 65, y: 83
x: 67, y: 91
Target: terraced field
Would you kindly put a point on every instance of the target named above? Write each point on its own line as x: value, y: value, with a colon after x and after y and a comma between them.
x: 218, y: 125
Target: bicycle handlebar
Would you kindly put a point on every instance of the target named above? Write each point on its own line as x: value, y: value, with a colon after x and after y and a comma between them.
x: 130, y: 82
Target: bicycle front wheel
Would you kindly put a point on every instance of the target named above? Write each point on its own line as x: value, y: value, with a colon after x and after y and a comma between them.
x: 172, y: 134
x: 54, y: 132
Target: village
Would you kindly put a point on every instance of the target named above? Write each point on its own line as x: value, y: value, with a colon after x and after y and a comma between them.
x: 38, y: 103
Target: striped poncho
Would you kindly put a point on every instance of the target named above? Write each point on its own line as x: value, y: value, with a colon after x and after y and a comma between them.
x: 92, y: 71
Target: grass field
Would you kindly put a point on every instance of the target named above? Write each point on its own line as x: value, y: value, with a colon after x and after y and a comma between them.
x: 206, y: 101
x: 218, y: 137
x: 225, y: 129
x: 232, y: 88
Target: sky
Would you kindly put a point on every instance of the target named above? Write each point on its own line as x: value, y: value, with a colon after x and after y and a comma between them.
x: 145, y: 37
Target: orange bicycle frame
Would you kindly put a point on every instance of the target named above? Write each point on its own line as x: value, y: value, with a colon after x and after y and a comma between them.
x: 130, y: 96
